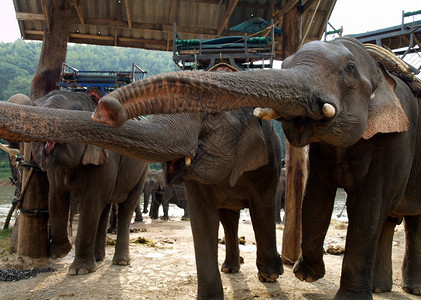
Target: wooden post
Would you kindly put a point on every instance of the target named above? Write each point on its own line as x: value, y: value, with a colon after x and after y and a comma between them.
x: 33, y: 230
x: 296, y: 175
x: 296, y: 158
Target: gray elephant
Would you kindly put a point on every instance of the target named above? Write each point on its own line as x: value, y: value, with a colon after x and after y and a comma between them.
x: 94, y: 177
x: 363, y: 126
x: 155, y: 182
x: 171, y: 194
x: 227, y: 161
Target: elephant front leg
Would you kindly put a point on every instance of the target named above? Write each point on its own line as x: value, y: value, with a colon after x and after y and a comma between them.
x: 204, y: 223
x: 316, y: 214
x: 229, y: 220
x: 125, y: 212
x: 101, y: 236
x: 59, y: 202
x: 84, y: 261
x: 411, y: 268
x: 382, y: 271
x: 269, y: 262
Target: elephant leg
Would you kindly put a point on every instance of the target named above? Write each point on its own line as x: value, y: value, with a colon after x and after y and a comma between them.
x: 138, y: 213
x: 382, y: 270
x: 316, y: 214
x: 145, y: 203
x: 58, y: 202
x: 229, y: 220
x: 101, y: 235
x: 165, y: 208
x: 113, y: 218
x: 204, y: 222
x: 125, y: 212
x: 366, y: 215
x: 155, y: 204
x: 411, y: 267
x: 269, y: 262
x: 90, y: 213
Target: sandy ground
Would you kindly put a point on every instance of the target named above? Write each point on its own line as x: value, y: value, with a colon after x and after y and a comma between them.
x: 166, y: 270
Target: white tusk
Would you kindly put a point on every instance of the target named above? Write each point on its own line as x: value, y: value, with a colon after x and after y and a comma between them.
x: 187, y: 161
x: 329, y: 110
x: 265, y: 113
x: 9, y: 150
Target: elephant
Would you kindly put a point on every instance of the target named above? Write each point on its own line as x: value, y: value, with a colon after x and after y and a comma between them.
x: 280, y: 196
x: 172, y: 193
x: 93, y: 177
x: 362, y: 125
x: 227, y: 161
x: 155, y: 181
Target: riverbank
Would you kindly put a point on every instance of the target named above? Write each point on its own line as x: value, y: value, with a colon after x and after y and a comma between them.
x: 164, y: 268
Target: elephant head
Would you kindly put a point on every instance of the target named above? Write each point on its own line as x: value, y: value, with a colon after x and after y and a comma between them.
x: 67, y: 155
x: 331, y: 92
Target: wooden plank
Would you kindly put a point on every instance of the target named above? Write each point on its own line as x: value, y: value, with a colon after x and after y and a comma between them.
x: 227, y: 16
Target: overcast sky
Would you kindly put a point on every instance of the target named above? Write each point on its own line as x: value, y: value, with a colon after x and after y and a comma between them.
x: 356, y: 16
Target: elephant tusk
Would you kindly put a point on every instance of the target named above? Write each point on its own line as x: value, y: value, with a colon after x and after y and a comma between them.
x: 265, y: 113
x: 9, y: 150
x: 329, y: 110
x: 187, y: 161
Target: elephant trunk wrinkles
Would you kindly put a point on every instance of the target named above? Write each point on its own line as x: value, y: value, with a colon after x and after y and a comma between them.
x: 21, y: 123
x: 282, y: 90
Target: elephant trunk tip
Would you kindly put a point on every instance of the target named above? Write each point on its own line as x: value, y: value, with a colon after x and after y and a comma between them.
x: 109, y: 111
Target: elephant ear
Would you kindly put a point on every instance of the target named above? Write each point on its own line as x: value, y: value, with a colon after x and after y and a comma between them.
x: 94, y: 155
x: 250, y: 152
x: 385, y: 112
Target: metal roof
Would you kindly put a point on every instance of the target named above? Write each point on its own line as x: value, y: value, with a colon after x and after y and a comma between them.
x: 148, y: 24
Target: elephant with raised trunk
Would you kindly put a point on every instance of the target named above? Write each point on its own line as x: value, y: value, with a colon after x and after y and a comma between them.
x: 92, y: 177
x: 227, y: 161
x: 363, y: 127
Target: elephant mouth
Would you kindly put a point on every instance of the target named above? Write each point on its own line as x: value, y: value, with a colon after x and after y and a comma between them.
x: 48, y: 147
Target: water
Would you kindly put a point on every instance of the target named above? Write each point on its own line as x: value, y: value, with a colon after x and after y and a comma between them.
x: 7, y: 192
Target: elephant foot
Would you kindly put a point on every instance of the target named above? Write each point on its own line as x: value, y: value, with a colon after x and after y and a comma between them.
x: 165, y: 218
x: 268, y: 277
x: 228, y: 267
x: 412, y: 290
x: 380, y: 286
x: 145, y: 211
x: 121, y: 260
x: 307, y: 272
x: 82, y: 267
x: 59, y: 250
x: 183, y: 218
x: 345, y: 294
x: 138, y: 218
x: 270, y: 271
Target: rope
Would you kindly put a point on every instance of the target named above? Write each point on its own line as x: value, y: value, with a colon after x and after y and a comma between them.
x: 309, y: 24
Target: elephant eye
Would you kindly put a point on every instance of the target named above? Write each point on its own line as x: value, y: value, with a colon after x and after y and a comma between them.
x: 350, y: 68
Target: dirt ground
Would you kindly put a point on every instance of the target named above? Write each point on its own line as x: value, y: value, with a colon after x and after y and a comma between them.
x: 165, y: 269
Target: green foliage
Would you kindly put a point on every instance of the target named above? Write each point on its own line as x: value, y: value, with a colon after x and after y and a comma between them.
x: 5, y: 238
x: 5, y: 168
x: 18, y: 61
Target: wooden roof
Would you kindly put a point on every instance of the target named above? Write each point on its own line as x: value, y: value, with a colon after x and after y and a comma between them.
x: 148, y: 24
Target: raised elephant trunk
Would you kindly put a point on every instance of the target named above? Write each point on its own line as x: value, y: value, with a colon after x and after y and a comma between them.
x: 282, y: 90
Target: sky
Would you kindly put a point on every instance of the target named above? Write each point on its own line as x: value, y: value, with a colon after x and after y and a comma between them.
x: 356, y: 16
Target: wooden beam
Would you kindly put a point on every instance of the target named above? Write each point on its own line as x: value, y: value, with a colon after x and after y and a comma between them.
x: 79, y: 11
x: 45, y: 10
x: 228, y: 13
x: 170, y: 21
x: 128, y: 13
x: 22, y: 16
